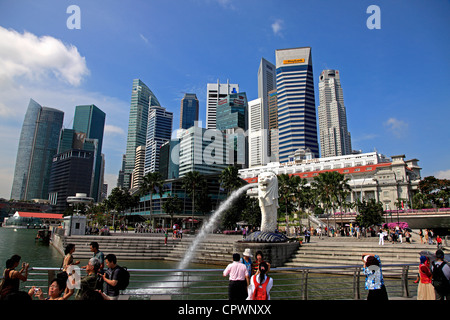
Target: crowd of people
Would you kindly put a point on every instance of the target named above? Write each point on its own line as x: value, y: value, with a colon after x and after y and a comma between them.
x: 103, y: 280
x: 248, y: 280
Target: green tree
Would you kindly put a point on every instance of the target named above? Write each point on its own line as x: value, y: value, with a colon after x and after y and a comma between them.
x: 120, y: 200
x: 195, y: 184
x: 436, y: 191
x: 229, y: 179
x: 287, y: 189
x: 370, y: 213
x: 152, y: 182
x: 172, y: 205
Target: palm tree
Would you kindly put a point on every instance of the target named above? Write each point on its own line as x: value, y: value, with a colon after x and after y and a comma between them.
x: 331, y: 187
x: 193, y: 181
x: 229, y: 179
x: 287, y: 188
x: 151, y: 182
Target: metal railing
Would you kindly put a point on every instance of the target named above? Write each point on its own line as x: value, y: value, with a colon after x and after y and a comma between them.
x: 303, y: 283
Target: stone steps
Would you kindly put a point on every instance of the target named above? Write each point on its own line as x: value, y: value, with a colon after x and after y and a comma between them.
x: 217, y: 250
x: 340, y: 251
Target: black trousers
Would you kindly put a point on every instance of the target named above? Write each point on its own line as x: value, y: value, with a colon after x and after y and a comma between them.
x: 237, y: 290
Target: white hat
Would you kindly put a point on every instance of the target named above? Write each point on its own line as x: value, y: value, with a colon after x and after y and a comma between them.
x: 248, y: 252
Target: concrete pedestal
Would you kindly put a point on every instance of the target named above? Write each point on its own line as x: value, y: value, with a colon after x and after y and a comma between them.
x: 274, y: 253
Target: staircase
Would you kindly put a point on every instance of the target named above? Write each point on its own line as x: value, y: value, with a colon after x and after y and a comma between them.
x: 215, y: 249
x: 342, y: 251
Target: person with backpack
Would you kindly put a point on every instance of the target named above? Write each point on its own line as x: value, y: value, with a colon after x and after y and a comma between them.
x: 116, y: 277
x: 441, y: 276
x: 260, y: 284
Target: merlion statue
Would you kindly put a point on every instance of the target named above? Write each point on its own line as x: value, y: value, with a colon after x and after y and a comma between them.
x: 268, y: 200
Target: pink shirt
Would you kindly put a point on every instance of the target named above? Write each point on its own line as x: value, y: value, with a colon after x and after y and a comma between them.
x: 236, y: 270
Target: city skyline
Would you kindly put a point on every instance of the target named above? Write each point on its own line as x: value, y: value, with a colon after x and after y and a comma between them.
x: 392, y: 74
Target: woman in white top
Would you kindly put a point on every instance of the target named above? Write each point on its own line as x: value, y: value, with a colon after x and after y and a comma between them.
x: 260, y: 284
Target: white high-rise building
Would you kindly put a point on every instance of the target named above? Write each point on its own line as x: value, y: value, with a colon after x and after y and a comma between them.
x: 335, y: 139
x: 215, y: 92
x: 257, y: 134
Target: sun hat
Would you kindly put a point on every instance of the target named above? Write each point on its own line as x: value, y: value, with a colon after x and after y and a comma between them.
x: 247, y: 252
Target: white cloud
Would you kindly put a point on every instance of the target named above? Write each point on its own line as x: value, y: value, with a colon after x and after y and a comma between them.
x: 26, y: 55
x: 277, y: 26
x: 114, y: 130
x: 443, y: 174
x: 397, y: 127
x: 143, y: 38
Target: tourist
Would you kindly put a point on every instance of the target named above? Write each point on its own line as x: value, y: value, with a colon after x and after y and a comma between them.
x: 68, y: 257
x: 238, y: 279
x: 56, y: 288
x: 260, y: 284
x: 11, y: 277
x: 425, y: 290
x: 94, y: 247
x: 439, y: 242
x: 408, y: 236
x: 259, y: 258
x: 67, y: 262
x: 91, y: 281
x: 247, y: 260
x: 374, y: 277
x: 111, y: 277
x: 381, y: 235
x: 441, y: 276
x: 307, y: 236
x: 421, y: 236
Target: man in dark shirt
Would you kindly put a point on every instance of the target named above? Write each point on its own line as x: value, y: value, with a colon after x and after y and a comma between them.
x: 111, y: 277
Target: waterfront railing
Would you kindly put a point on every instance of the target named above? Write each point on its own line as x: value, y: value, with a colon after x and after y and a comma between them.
x: 300, y: 283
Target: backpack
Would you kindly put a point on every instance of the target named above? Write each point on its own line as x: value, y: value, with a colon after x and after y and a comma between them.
x: 439, y: 280
x: 123, y: 278
x: 260, y: 292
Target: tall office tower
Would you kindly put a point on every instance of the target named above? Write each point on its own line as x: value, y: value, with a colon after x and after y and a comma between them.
x: 273, y: 126
x: 232, y: 120
x: 266, y: 83
x: 215, y: 92
x: 189, y: 110
x: 138, y: 172
x: 71, y: 173
x: 37, y: 145
x: 159, y: 130
x: 296, y: 105
x: 91, y: 120
x: 335, y: 139
x: 257, y: 134
x: 141, y: 99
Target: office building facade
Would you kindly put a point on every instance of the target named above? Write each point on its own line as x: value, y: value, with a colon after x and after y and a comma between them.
x: 71, y: 173
x: 141, y: 99
x: 89, y: 119
x: 37, y: 145
x: 335, y: 139
x: 189, y: 110
x: 159, y: 131
x: 258, y: 135
x: 215, y: 92
x: 297, y: 125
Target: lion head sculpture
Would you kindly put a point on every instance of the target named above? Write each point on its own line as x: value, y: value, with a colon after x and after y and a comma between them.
x: 268, y: 189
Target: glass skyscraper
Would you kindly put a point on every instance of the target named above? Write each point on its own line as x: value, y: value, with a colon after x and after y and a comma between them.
x: 91, y: 120
x: 296, y: 104
x: 141, y: 99
x: 159, y: 130
x: 189, y: 110
x: 37, y: 145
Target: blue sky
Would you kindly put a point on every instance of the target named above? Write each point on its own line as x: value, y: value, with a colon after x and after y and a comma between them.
x: 395, y: 79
